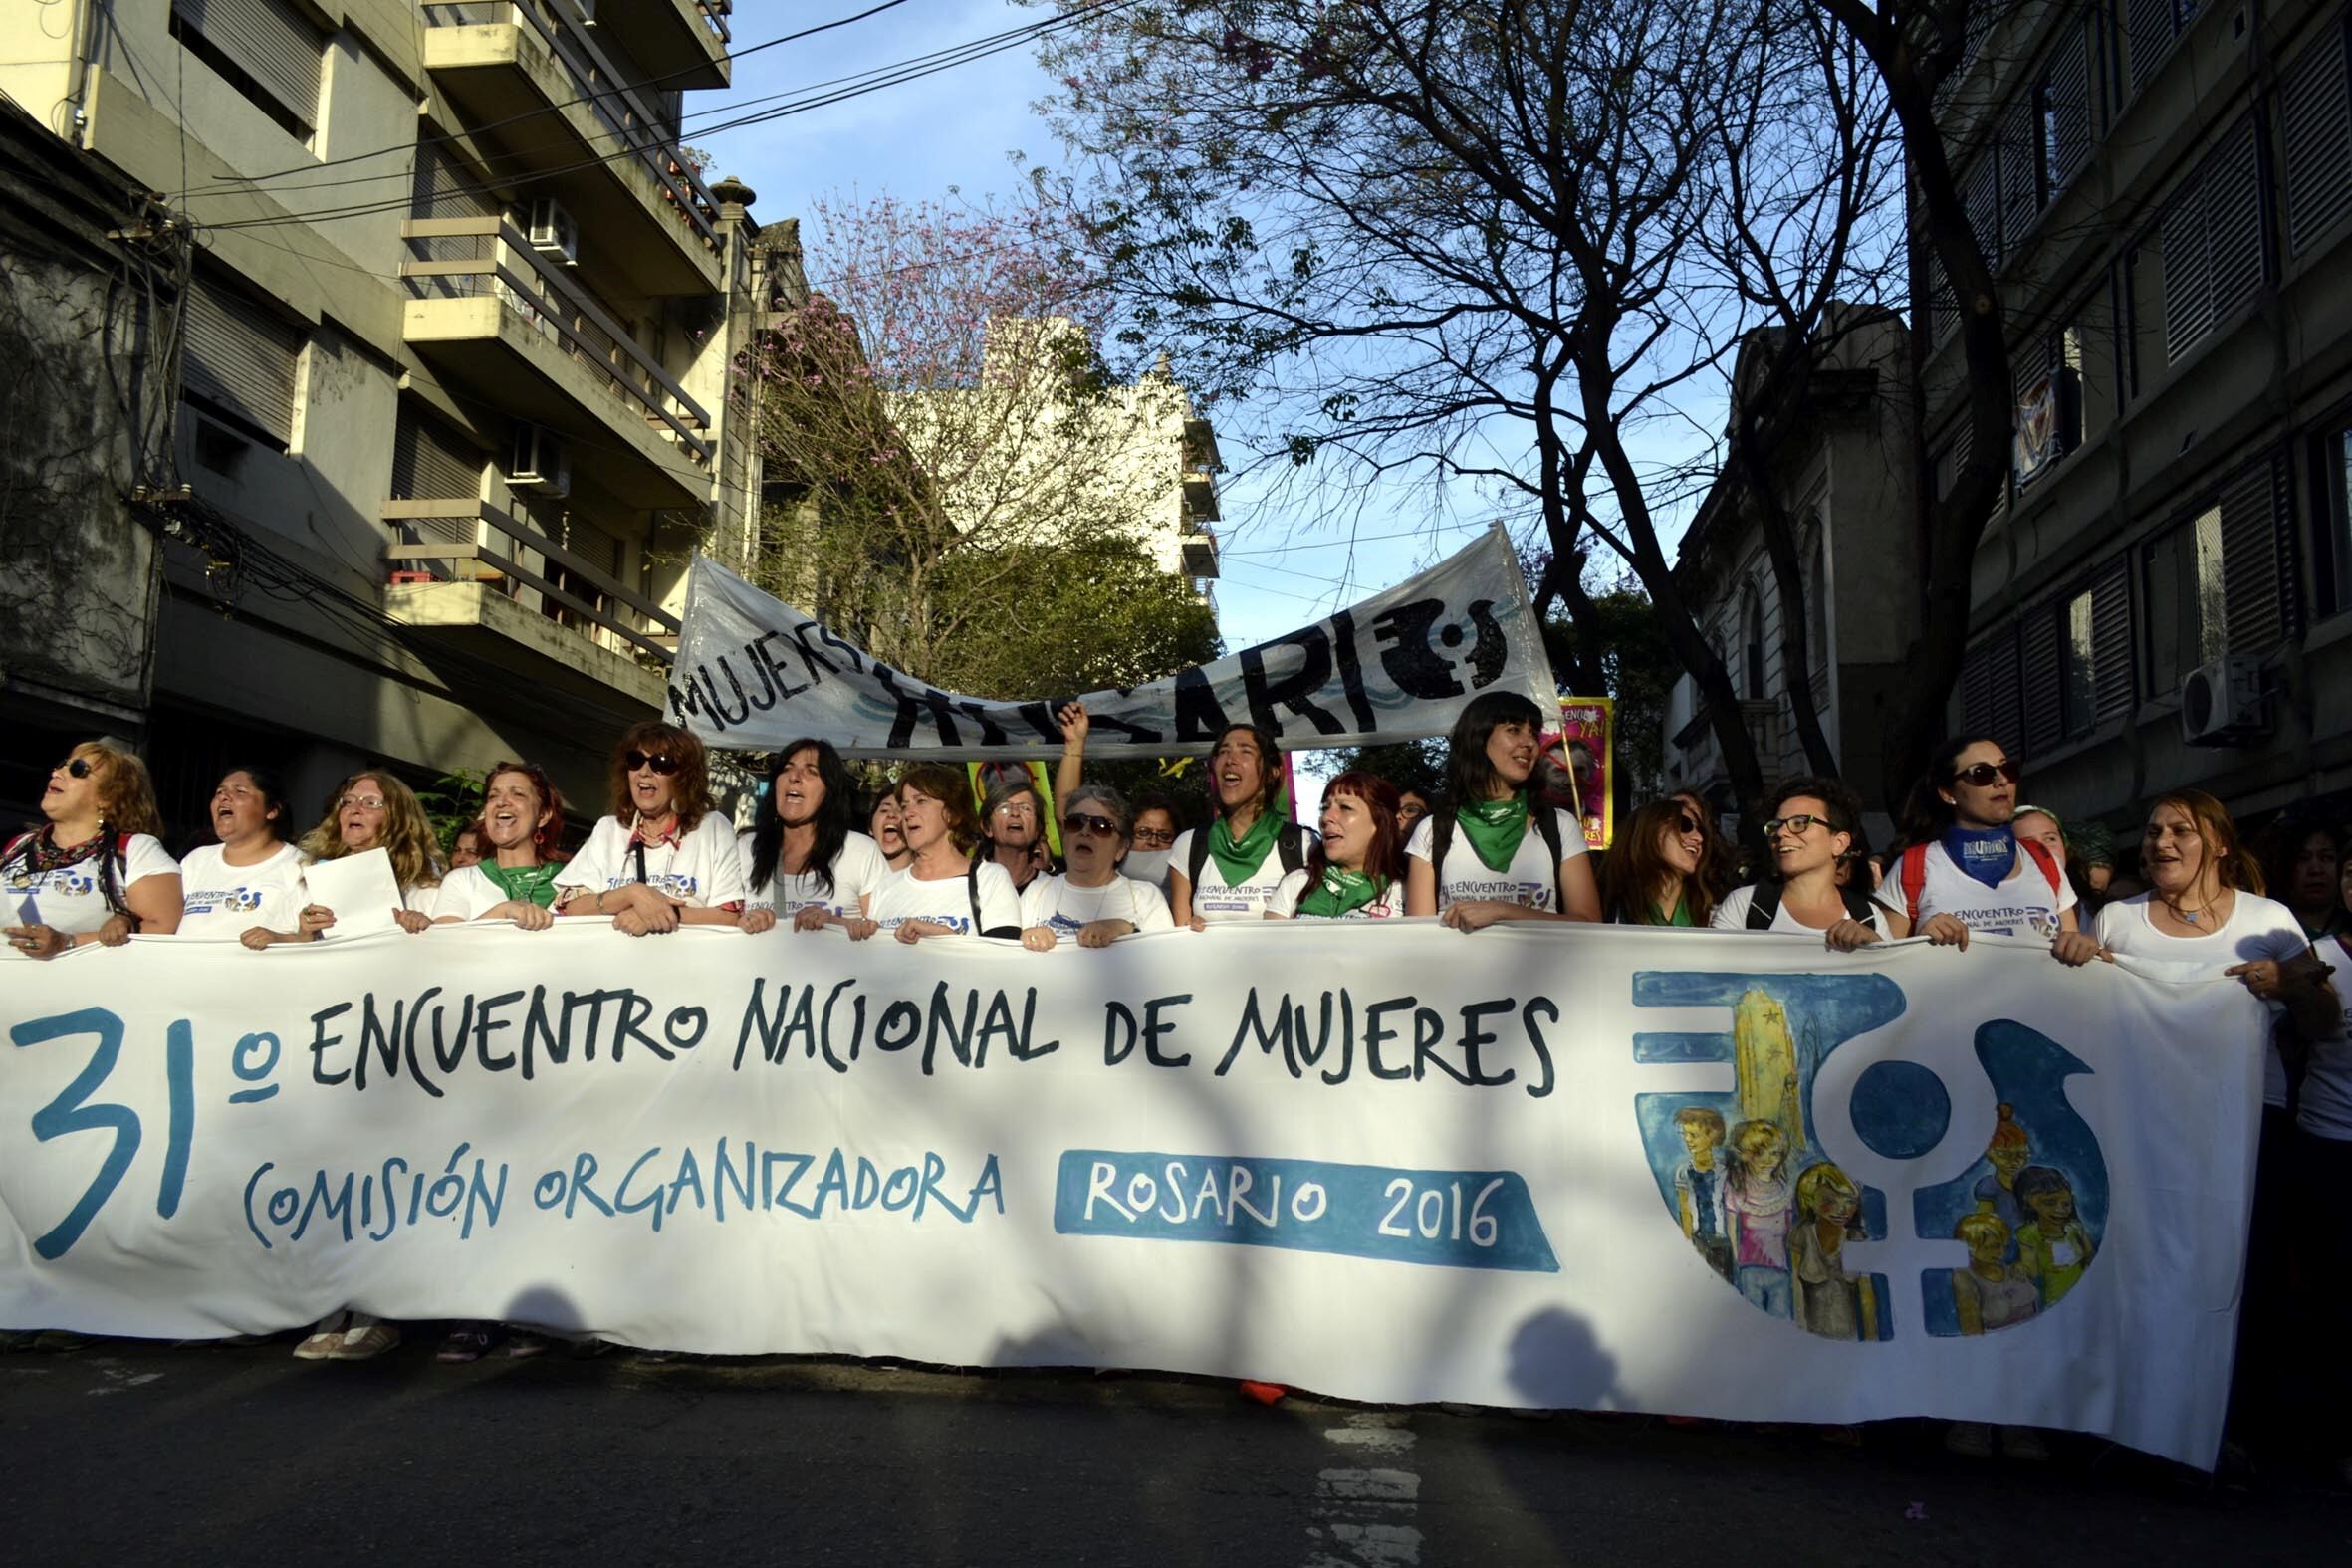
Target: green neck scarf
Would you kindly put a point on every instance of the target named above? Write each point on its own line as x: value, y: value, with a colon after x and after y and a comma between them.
x: 1239, y: 857
x: 531, y: 884
x: 1681, y: 915
x: 1342, y: 892
x: 1495, y: 827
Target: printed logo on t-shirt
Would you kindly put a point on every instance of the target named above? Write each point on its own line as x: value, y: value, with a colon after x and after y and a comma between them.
x: 679, y: 885
x: 1505, y: 890
x: 225, y: 901
x: 2010, y: 920
x: 961, y: 924
x: 71, y: 883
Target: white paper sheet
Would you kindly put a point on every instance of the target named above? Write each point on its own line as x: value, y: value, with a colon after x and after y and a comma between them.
x: 360, y: 889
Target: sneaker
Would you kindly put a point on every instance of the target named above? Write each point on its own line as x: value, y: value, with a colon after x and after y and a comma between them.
x: 366, y: 1339
x: 2025, y: 1443
x: 324, y: 1337
x: 1971, y: 1439
x: 521, y: 1345
x: 466, y: 1342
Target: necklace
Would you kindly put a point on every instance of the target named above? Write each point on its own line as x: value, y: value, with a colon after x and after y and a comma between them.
x: 2189, y: 917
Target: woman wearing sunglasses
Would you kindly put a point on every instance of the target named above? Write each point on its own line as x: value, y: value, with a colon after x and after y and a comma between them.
x: 1809, y: 835
x: 1357, y: 872
x: 662, y: 859
x: 805, y: 864
x: 521, y: 831
x: 94, y: 872
x: 248, y: 886
x: 1655, y: 876
x: 1966, y: 870
x: 374, y: 810
x: 942, y: 890
x: 1090, y: 901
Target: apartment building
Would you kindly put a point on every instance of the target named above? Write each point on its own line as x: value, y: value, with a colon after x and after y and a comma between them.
x: 2163, y: 594
x: 454, y: 366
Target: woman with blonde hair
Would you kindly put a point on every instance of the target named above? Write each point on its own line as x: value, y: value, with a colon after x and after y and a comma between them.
x: 374, y: 810
x: 95, y: 872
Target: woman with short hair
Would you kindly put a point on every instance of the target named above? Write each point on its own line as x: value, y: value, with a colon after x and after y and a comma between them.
x: 1810, y: 837
x: 664, y: 858
x: 1013, y: 829
x: 522, y: 827
x: 1356, y: 871
x: 1089, y: 901
x: 1656, y: 873
x: 943, y: 890
x: 806, y: 865
x: 1499, y: 854
x: 248, y: 885
x: 96, y: 871
x: 1230, y: 869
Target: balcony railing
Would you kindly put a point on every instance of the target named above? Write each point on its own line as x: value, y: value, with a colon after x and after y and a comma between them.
x: 589, y: 594
x: 714, y: 17
x: 498, y: 261
x: 606, y: 93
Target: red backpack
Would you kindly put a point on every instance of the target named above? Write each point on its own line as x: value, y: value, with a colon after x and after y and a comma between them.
x: 1915, y: 873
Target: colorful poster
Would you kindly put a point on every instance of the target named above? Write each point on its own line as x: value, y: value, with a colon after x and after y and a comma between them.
x: 1708, y: 1173
x: 1579, y: 766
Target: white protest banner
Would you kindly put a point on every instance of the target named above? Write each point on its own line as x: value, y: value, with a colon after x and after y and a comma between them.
x: 1712, y: 1173
x: 753, y: 673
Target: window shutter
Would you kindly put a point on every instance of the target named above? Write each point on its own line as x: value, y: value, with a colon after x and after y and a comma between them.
x: 2041, y: 682
x: 2233, y: 189
x: 2254, y: 582
x: 2151, y: 26
x: 432, y: 462
x: 2066, y: 101
x: 1943, y: 306
x: 271, y: 41
x: 1989, y: 687
x: 2188, y: 273
x: 2020, y: 171
x: 2111, y: 642
x: 1980, y: 190
x: 2315, y: 126
x: 240, y: 358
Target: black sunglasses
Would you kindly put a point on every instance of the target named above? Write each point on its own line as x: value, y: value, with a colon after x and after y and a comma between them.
x: 1080, y: 822
x: 1976, y: 776
x: 1691, y: 824
x: 630, y: 761
x: 74, y: 767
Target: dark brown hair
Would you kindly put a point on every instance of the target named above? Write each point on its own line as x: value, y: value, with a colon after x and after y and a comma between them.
x: 952, y: 788
x: 690, y: 789
x: 545, y: 837
x: 1636, y: 866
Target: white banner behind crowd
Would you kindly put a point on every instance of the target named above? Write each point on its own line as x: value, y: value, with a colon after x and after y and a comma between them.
x: 1696, y: 1171
x: 753, y: 673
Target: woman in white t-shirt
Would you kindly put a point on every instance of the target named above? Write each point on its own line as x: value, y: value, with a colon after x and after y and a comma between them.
x: 1358, y: 870
x: 942, y: 891
x: 520, y: 831
x: 1230, y: 869
x: 1498, y: 854
x: 664, y: 858
x: 94, y: 872
x: 1089, y: 900
x: 804, y: 862
x: 1811, y: 833
x: 374, y: 810
x: 1965, y: 870
x: 249, y: 885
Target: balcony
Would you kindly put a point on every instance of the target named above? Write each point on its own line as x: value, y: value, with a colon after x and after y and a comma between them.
x: 1197, y: 543
x: 678, y: 43
x: 518, y: 331
x: 587, y: 635
x: 543, y: 98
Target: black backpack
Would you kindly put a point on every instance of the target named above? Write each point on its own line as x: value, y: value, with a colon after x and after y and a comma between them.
x: 1766, y: 906
x: 1286, y: 848
x: 1546, y: 821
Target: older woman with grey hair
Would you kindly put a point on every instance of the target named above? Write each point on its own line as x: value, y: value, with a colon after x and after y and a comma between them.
x: 1090, y: 900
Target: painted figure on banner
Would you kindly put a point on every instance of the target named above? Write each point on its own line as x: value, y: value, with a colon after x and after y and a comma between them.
x: 1699, y: 1186
x: 2009, y: 1152
x: 2053, y: 1248
x: 1823, y: 1297
x: 1758, y: 1200
x: 1994, y: 1291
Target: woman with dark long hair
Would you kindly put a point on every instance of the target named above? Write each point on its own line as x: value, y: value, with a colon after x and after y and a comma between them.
x: 1655, y: 875
x: 808, y: 865
x: 95, y: 870
x: 1358, y: 870
x: 1964, y: 868
x: 664, y: 857
x: 521, y: 831
x: 247, y: 886
x: 1230, y: 869
x: 2301, y: 866
x: 1498, y: 854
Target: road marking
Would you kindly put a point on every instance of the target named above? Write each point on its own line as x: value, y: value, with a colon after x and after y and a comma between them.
x: 117, y: 1378
x: 1363, y: 1517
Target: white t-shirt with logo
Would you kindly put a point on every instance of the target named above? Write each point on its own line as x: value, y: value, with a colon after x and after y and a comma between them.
x: 2257, y: 928
x: 2022, y: 905
x: 1067, y: 908
x: 1388, y: 904
x: 1215, y: 899
x: 903, y: 896
x: 1531, y: 879
x: 702, y: 869
x: 2327, y: 1107
x: 857, y: 872
x: 1732, y: 915
x: 220, y: 902
x: 70, y: 898
x: 467, y: 893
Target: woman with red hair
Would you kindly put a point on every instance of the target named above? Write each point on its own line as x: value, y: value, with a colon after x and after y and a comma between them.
x: 95, y: 872
x: 664, y: 858
x: 1357, y: 872
x: 522, y: 832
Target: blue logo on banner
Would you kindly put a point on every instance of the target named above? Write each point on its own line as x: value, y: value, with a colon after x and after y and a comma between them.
x: 1448, y: 1219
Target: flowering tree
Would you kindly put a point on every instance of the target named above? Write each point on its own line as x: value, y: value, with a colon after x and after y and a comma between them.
x: 945, y: 443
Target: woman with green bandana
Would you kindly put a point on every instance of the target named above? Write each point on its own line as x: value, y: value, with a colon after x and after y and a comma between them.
x: 1229, y: 870
x: 1357, y: 871
x: 1496, y: 855
x: 522, y: 825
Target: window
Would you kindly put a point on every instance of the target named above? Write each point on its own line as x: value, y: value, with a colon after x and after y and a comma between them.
x: 2215, y: 258
x: 2331, y: 521
x: 2153, y: 26
x: 2315, y: 136
x: 2221, y: 581
x: 2096, y: 651
x: 2046, y: 371
x: 239, y: 361
x: 2063, y: 104
x: 267, y: 50
x: 431, y: 461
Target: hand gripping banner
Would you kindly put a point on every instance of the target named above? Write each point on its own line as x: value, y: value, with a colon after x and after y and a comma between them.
x: 753, y: 673
x: 1716, y: 1174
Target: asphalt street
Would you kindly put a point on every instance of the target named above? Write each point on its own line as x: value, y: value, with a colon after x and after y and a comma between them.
x: 141, y: 1452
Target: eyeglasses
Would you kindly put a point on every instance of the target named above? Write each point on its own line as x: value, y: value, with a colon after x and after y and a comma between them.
x: 1978, y: 775
x: 630, y: 761
x: 74, y: 767
x: 1799, y: 824
x: 366, y: 802
x: 1154, y: 837
x: 1080, y: 823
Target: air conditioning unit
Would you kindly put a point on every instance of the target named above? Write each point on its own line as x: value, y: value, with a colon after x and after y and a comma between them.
x: 538, y: 462
x: 554, y: 231
x: 2222, y: 701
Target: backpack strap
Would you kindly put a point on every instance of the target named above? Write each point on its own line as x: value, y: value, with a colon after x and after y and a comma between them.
x: 1547, y: 826
x: 972, y: 890
x: 1286, y: 847
x: 1914, y: 881
x: 1441, y: 839
x: 1858, y: 905
x: 2042, y: 858
x: 1764, y: 907
x: 1199, y: 858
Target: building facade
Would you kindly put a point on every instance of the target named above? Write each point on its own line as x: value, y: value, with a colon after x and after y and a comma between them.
x: 2162, y: 597
x: 454, y: 367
